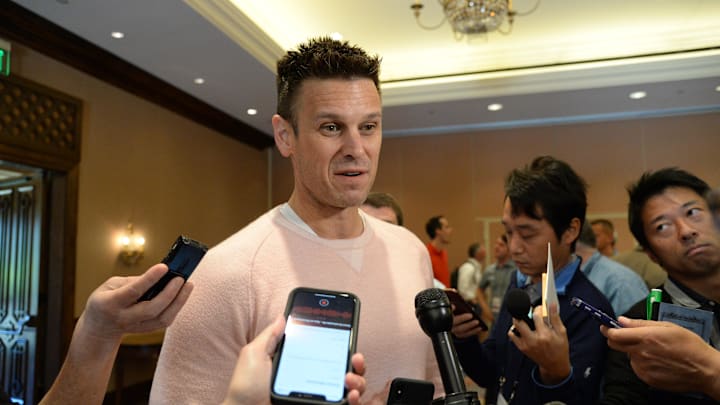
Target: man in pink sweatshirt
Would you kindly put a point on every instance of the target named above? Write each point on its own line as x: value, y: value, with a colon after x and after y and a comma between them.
x: 329, y: 124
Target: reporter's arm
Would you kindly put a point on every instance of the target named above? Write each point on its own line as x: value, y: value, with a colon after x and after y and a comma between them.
x: 667, y: 356
x: 111, y: 311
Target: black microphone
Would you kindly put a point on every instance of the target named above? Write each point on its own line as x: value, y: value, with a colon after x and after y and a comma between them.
x: 518, y: 304
x: 433, y: 311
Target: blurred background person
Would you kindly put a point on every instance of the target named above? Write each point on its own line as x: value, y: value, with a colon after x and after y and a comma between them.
x: 605, y: 237
x: 638, y: 261
x: 496, y: 277
x: 383, y: 206
x: 469, y: 276
x: 439, y: 230
x: 620, y: 285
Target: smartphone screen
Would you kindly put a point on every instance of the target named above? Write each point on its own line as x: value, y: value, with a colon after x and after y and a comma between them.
x: 320, y: 336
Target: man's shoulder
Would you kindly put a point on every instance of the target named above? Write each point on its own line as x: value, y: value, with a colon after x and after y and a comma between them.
x: 582, y: 287
x: 394, y: 234
x: 615, y: 266
x: 619, y: 273
x: 252, y: 233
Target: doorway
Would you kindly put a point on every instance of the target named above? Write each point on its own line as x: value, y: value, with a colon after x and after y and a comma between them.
x: 40, y: 139
x: 21, y: 218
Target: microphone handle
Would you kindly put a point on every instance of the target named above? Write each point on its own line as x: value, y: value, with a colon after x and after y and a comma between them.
x: 448, y: 363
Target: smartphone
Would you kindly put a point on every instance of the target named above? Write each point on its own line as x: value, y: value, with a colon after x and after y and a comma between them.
x: 406, y: 391
x: 596, y: 314
x: 314, y: 354
x: 183, y: 257
x: 462, y: 306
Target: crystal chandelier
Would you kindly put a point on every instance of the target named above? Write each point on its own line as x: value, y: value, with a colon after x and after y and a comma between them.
x: 469, y: 17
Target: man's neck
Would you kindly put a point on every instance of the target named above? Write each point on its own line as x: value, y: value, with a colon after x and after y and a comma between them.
x: 558, y: 264
x: 584, y: 252
x: 607, y: 251
x: 438, y: 244
x: 501, y: 262
x: 328, y: 222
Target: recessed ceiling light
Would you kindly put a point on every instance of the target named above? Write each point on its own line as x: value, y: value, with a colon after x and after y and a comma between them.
x: 251, y: 111
x: 199, y: 80
x: 336, y: 36
x: 637, y: 95
x: 717, y: 88
x: 117, y: 35
x: 495, y: 107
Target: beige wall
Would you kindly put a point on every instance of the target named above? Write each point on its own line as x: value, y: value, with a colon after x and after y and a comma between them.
x: 171, y: 176
x: 461, y: 175
x: 142, y: 162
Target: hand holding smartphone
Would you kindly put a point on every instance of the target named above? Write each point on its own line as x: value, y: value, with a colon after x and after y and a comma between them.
x: 314, y: 355
x: 596, y: 314
x: 462, y: 306
x: 183, y: 257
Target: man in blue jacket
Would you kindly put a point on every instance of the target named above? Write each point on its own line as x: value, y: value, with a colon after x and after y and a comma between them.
x: 562, y: 358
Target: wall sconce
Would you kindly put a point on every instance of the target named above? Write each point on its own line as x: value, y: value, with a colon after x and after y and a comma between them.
x: 132, y: 246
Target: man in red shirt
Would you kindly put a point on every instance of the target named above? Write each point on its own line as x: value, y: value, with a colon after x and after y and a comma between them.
x: 439, y: 230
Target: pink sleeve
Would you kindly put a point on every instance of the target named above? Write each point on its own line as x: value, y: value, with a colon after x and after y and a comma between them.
x: 201, y: 347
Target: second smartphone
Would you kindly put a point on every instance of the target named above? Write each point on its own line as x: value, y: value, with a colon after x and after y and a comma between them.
x: 462, y: 307
x: 314, y: 354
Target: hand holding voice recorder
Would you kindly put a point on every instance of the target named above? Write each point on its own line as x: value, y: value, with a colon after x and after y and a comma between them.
x: 183, y: 257
x: 314, y: 354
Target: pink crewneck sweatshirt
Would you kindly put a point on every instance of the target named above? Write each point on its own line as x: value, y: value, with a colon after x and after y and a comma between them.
x: 242, y: 285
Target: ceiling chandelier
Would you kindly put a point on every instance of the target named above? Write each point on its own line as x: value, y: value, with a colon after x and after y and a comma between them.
x: 469, y: 17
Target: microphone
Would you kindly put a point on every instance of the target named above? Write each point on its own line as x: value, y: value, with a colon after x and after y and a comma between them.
x: 433, y: 311
x: 518, y: 304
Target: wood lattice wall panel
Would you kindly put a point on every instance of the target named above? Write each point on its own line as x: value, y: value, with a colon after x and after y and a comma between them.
x: 38, y: 118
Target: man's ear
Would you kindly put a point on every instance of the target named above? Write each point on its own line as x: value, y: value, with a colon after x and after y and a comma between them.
x: 572, y: 232
x: 284, y: 135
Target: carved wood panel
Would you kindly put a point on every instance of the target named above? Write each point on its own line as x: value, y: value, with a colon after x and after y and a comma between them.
x: 40, y: 119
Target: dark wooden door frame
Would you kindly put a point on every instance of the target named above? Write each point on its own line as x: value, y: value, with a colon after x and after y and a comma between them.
x: 40, y: 127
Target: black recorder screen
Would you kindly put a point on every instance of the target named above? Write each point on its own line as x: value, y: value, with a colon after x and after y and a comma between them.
x: 315, y: 352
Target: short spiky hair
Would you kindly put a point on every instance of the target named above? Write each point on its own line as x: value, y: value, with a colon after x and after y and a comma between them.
x: 548, y: 189
x: 321, y: 58
x: 651, y: 184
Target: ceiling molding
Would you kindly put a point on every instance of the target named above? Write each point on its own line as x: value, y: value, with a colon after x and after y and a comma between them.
x: 684, y: 66
x: 33, y: 31
x: 241, y: 29
x: 549, y: 121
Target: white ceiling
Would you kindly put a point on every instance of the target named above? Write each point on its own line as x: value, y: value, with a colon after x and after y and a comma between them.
x: 569, y: 61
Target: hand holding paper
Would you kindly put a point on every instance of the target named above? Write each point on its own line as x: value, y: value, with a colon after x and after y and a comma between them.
x: 549, y: 293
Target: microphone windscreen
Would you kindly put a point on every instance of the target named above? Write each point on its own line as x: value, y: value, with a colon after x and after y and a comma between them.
x: 431, y: 294
x: 518, y: 303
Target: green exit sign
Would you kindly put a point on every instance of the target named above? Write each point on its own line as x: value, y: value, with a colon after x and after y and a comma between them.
x: 5, y: 62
